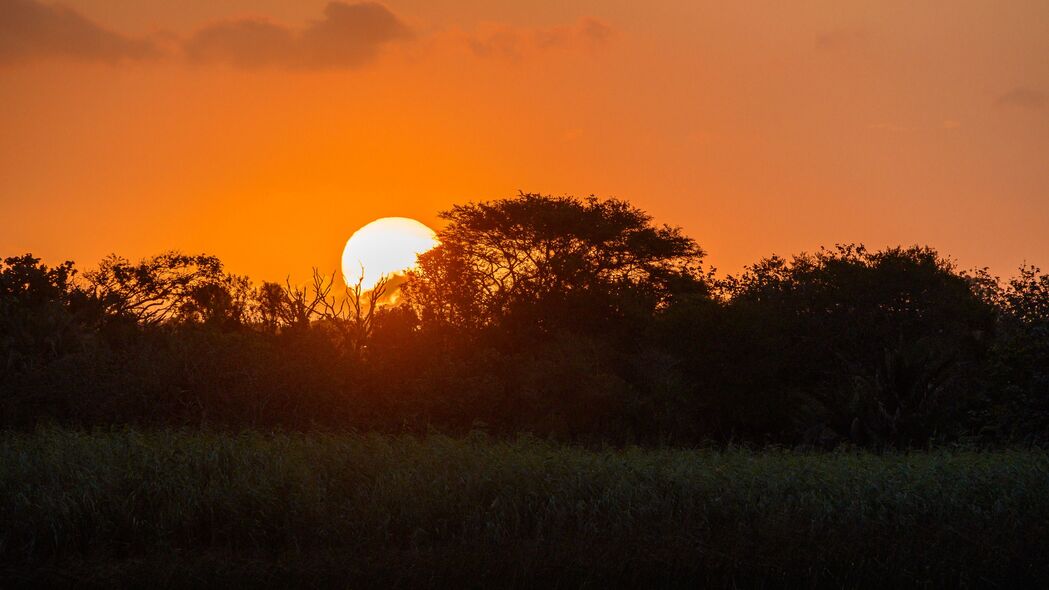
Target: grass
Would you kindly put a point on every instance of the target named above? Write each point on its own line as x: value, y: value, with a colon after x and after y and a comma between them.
x: 184, y: 508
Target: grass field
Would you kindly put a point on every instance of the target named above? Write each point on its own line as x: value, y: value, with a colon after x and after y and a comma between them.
x: 174, y: 508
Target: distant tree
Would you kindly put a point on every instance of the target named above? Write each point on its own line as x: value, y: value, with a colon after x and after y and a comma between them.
x: 270, y: 304
x: 226, y: 302
x: 1019, y: 375
x: 349, y: 314
x: 295, y: 306
x: 37, y: 323
x: 541, y: 306
x: 353, y: 315
x: 26, y: 282
x: 552, y: 263
x: 162, y: 288
x: 886, y: 343
x: 1026, y: 297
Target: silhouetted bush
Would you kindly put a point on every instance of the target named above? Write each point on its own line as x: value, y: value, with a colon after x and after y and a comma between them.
x: 575, y: 319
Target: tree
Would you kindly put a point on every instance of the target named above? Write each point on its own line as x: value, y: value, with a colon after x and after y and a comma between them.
x: 270, y: 303
x: 36, y: 321
x: 162, y: 288
x: 353, y: 316
x: 887, y: 344
x: 1019, y: 373
x: 224, y: 303
x: 552, y: 263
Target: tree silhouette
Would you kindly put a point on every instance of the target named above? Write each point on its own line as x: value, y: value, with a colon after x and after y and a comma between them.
x: 881, y: 341
x: 160, y: 288
x: 1019, y: 374
x: 574, y: 318
x: 37, y: 322
x: 552, y: 262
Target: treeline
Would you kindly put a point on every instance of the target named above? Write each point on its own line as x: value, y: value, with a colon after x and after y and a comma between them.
x: 578, y: 319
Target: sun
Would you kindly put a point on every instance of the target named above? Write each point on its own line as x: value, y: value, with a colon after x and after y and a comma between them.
x: 383, y: 248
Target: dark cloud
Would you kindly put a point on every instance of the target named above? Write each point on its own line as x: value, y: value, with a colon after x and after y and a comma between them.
x: 348, y: 35
x: 1023, y: 98
x: 513, y: 43
x: 246, y: 43
x: 30, y: 30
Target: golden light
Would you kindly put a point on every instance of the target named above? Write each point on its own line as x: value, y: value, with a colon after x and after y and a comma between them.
x: 383, y: 248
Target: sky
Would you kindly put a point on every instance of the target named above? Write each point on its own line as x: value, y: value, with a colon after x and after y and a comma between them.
x: 266, y: 132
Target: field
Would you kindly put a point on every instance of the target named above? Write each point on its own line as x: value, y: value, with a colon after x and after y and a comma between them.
x: 185, y: 508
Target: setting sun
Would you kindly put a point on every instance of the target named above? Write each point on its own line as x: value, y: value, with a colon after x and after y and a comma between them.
x: 384, y: 247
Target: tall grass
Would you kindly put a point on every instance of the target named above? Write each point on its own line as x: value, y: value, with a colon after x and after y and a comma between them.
x: 182, y: 508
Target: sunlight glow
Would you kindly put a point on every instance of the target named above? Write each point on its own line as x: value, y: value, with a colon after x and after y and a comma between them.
x: 384, y: 247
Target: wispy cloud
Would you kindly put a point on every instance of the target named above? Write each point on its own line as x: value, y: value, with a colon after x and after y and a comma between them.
x: 30, y: 30
x: 1023, y: 97
x: 504, y: 41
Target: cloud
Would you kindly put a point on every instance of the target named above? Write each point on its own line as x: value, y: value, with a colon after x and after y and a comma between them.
x: 348, y: 35
x: 513, y: 43
x: 1023, y: 98
x: 30, y: 30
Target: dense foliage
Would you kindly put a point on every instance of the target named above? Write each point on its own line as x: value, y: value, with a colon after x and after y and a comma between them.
x: 192, y: 509
x: 573, y: 318
x: 550, y: 264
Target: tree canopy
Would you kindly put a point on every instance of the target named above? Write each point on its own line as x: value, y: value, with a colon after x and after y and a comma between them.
x: 546, y: 260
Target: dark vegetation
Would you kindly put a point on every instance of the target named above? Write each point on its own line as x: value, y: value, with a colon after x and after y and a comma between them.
x: 165, y: 423
x: 190, y: 509
x: 575, y: 319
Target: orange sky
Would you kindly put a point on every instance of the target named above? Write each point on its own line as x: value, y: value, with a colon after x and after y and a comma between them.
x: 266, y: 132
